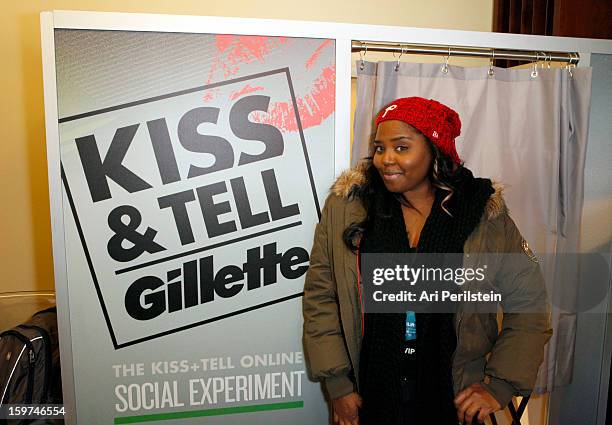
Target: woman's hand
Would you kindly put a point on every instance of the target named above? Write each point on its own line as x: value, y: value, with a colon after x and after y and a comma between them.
x: 474, y: 404
x: 346, y: 409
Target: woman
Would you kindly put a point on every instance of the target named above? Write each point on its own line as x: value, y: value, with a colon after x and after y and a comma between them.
x: 415, y: 195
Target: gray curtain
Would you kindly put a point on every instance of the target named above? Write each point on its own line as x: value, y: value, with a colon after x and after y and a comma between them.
x: 530, y: 134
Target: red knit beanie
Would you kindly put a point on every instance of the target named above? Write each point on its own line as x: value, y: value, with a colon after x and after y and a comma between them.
x: 436, y: 121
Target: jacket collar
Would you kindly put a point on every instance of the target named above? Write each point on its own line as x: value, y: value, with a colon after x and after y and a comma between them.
x: 349, y: 179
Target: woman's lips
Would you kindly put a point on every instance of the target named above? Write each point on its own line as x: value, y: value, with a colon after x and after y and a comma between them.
x: 388, y: 176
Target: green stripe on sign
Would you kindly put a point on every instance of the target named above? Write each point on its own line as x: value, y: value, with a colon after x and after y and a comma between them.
x: 208, y: 412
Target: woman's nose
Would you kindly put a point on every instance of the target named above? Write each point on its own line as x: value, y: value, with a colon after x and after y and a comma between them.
x: 388, y: 157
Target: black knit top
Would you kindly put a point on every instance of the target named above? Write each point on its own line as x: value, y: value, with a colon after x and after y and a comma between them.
x: 383, y: 362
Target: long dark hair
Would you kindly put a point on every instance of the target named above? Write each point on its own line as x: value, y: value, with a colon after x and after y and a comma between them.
x: 375, y: 196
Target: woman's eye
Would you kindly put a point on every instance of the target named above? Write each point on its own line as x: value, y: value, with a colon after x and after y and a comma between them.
x: 378, y: 149
x: 401, y: 148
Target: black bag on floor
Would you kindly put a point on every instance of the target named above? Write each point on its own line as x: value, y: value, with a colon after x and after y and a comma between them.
x: 29, y: 362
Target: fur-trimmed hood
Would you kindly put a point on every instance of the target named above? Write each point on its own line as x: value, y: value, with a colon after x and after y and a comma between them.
x: 356, y: 176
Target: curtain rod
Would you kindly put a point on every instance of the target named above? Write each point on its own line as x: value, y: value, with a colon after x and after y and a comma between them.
x: 490, y: 53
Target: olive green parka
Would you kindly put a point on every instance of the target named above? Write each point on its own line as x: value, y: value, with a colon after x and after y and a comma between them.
x: 504, y: 359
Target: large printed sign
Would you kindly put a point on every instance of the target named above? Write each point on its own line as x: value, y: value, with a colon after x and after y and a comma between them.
x: 179, y: 184
x: 193, y: 168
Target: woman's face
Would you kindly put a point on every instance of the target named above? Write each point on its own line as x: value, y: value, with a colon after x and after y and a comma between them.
x: 401, y: 156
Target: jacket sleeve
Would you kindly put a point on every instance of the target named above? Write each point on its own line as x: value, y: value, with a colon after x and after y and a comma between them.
x: 324, y: 344
x: 519, y: 349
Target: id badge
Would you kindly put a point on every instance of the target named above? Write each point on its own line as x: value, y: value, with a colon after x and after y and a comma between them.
x: 410, y: 326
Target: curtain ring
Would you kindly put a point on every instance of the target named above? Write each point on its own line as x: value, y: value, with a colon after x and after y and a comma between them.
x: 362, y: 55
x: 444, y: 67
x: 534, y: 72
x: 574, y: 56
x: 397, y: 65
x: 572, y: 63
x: 577, y: 57
x: 491, y: 72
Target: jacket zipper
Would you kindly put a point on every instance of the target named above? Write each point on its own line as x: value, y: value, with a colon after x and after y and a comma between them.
x: 360, y: 293
x: 31, y: 361
x: 48, y: 358
x: 457, y: 332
